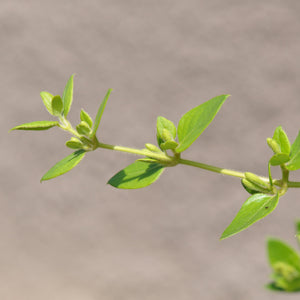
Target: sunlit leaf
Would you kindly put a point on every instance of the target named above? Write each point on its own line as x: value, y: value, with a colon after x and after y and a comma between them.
x: 254, y: 208
x: 36, y: 125
x: 67, y: 97
x: 195, y: 121
x: 65, y: 165
x: 137, y: 175
x: 100, y: 113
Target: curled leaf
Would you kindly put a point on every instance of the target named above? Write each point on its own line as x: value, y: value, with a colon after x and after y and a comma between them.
x: 36, y: 125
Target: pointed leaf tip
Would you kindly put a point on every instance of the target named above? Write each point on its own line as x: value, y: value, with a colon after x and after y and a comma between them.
x: 65, y: 165
x: 100, y: 113
x: 36, y: 125
x: 67, y: 97
x: 195, y: 121
x: 254, y: 208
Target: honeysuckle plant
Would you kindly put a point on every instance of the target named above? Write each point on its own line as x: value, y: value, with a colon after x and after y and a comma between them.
x: 172, y: 141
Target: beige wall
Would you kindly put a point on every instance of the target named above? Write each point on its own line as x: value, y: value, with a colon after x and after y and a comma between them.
x: 76, y: 237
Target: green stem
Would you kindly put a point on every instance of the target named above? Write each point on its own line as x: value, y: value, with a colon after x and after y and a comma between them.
x: 211, y: 168
x: 174, y: 160
x: 285, y: 179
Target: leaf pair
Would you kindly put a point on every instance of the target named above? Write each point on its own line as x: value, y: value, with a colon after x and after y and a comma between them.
x: 284, y: 153
x: 55, y: 105
x: 281, y: 147
x: 191, y: 125
x: 60, y: 107
x: 285, y: 262
x: 69, y: 162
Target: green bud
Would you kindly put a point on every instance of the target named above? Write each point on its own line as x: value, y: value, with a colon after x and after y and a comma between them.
x: 83, y: 128
x: 84, y: 116
x: 167, y: 135
x: 273, y: 145
x: 283, y: 141
x: 74, y: 143
x: 169, y: 145
x: 252, y: 188
x: 257, y: 181
x: 152, y: 148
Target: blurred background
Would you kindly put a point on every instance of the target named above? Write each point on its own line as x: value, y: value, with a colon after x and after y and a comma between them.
x: 76, y: 237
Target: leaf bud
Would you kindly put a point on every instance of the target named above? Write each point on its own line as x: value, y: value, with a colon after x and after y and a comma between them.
x: 74, y: 143
x: 152, y: 147
x: 252, y: 188
x: 257, y: 181
x: 167, y: 135
x: 169, y: 145
x: 273, y: 145
x: 83, y: 128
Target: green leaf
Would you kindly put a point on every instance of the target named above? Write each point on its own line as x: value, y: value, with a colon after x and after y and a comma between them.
x: 57, y: 105
x: 67, y: 97
x: 279, y: 159
x: 254, y: 208
x: 47, y: 98
x: 294, y: 163
x: 168, y: 145
x: 74, y: 143
x: 37, y: 125
x: 65, y: 165
x: 278, y: 251
x: 195, y: 121
x: 137, y: 175
x: 281, y: 138
x: 84, y: 116
x: 100, y: 113
x: 164, y: 124
x: 83, y: 128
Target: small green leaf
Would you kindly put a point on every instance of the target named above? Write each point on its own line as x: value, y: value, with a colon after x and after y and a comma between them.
x: 195, y: 121
x: 100, y: 113
x: 278, y: 251
x: 254, y: 208
x: 281, y: 138
x: 65, y: 165
x: 74, y: 143
x: 279, y: 159
x: 83, y: 128
x: 152, y: 148
x: 137, y: 175
x: 273, y: 145
x: 36, y: 125
x: 47, y: 98
x: 168, y: 145
x: 57, y: 105
x: 84, y: 116
x: 163, y: 124
x: 294, y: 163
x: 67, y: 97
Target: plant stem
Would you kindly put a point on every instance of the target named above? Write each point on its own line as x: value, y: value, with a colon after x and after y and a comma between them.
x: 163, y: 157
x: 211, y: 168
